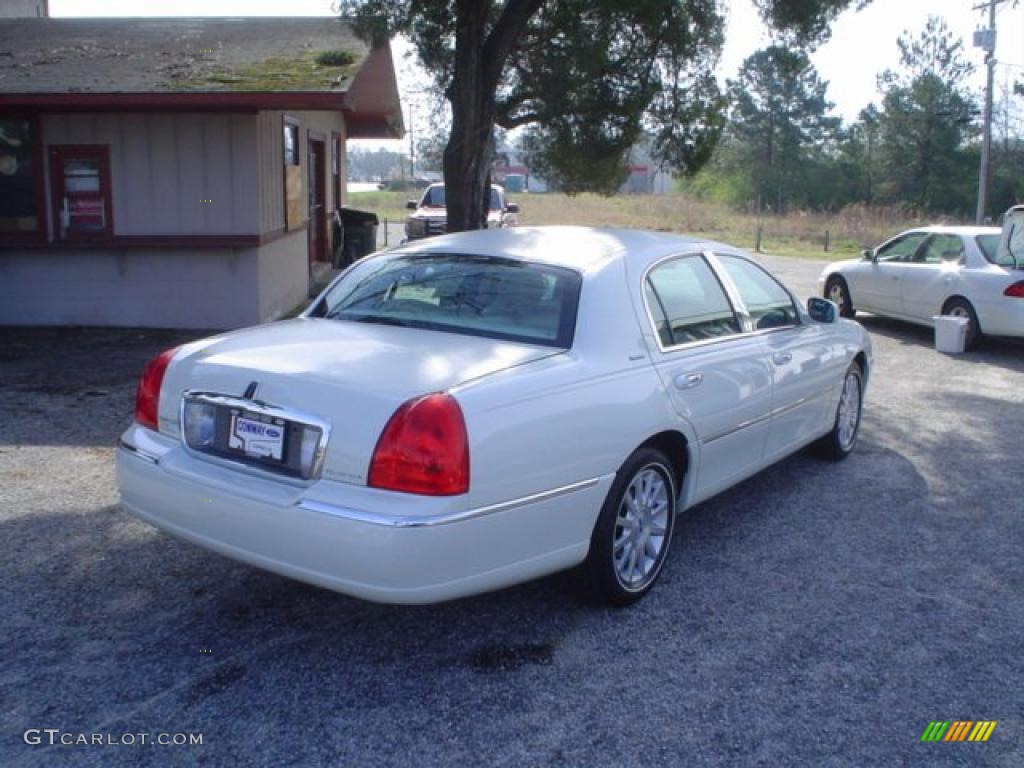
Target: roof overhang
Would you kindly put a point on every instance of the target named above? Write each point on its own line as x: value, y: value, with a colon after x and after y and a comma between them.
x: 372, y: 106
x: 174, y: 102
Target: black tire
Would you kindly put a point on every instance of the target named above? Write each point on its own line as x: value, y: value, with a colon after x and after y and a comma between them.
x: 838, y: 292
x: 958, y: 307
x: 619, y: 529
x: 839, y: 443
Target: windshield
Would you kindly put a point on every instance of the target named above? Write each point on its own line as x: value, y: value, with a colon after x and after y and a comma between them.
x: 1011, y: 243
x: 473, y: 295
x: 434, y: 198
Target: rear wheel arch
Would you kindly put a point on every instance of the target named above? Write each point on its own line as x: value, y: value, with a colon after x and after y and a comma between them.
x: 676, y: 448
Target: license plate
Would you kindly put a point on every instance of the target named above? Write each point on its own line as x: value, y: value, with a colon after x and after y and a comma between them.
x: 256, y: 438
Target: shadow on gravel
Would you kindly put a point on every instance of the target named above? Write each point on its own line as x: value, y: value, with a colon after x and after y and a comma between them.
x: 74, y: 386
x: 813, y: 591
x: 1003, y: 352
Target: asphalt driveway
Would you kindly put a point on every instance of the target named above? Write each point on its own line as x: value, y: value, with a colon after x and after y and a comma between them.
x: 816, y: 615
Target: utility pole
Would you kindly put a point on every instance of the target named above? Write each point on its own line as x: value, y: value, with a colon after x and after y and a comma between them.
x: 986, y: 39
x: 412, y: 143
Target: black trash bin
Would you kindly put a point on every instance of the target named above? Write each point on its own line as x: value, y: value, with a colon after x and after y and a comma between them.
x: 337, y: 241
x: 360, y: 234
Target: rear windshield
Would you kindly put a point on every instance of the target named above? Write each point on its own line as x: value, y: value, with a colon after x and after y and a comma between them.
x: 434, y: 198
x: 472, y: 295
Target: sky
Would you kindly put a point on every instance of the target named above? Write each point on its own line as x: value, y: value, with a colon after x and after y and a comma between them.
x: 863, y: 43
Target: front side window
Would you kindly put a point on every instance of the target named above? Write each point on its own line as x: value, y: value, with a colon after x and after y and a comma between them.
x: 902, y: 249
x: 19, y: 182
x: 769, y: 304
x: 941, y: 249
x: 473, y: 295
x: 81, y: 190
x: 686, y: 302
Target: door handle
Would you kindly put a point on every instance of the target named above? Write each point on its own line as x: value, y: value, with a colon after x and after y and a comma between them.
x: 781, y: 358
x: 689, y: 380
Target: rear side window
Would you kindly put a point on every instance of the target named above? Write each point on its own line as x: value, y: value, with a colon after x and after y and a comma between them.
x: 769, y: 304
x: 941, y: 249
x: 686, y: 302
x: 472, y: 295
x: 989, y: 245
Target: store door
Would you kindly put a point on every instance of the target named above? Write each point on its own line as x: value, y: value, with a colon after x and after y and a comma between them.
x: 317, y: 202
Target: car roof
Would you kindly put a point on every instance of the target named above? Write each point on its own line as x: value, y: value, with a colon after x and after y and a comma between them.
x: 441, y: 185
x: 956, y: 230
x: 580, y: 248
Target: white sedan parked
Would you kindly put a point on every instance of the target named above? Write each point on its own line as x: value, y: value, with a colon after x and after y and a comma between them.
x: 934, y: 271
x: 480, y: 409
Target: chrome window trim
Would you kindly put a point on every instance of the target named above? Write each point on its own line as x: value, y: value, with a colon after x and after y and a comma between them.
x: 264, y: 409
x: 650, y: 317
x: 431, y: 521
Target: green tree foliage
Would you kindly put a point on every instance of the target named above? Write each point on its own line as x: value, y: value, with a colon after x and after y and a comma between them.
x: 779, y: 128
x: 588, y: 75
x: 926, y: 116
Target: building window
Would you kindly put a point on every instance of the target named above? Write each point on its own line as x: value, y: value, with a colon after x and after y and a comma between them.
x: 294, y: 210
x: 20, y: 184
x: 81, y: 191
x: 291, y: 143
x: 336, y: 180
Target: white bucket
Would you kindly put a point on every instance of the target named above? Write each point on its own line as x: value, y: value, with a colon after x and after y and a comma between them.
x: 950, y: 334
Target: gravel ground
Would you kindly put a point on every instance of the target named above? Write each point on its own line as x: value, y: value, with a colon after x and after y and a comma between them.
x: 815, y: 615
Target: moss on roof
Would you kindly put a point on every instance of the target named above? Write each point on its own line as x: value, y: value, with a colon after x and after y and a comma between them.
x: 305, y: 72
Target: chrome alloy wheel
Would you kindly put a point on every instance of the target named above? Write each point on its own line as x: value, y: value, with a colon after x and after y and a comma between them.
x: 641, y: 529
x: 849, y: 411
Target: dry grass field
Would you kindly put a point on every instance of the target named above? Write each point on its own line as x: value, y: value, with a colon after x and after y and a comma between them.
x: 797, y: 234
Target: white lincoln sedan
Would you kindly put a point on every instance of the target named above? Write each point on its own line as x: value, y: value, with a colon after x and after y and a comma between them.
x: 958, y: 271
x: 480, y: 409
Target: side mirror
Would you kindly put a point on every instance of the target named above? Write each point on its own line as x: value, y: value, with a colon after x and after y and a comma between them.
x: 822, y: 310
x: 511, y: 208
x: 411, y: 205
x: 867, y: 254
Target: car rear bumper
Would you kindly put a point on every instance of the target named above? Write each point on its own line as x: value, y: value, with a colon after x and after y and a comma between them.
x: 315, y: 535
x: 1002, y: 318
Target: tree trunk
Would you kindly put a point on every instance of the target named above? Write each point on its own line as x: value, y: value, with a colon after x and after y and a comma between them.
x: 479, y: 61
x: 466, y: 159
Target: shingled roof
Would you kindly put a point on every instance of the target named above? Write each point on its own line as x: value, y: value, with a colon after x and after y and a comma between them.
x: 200, y: 63
x: 178, y: 55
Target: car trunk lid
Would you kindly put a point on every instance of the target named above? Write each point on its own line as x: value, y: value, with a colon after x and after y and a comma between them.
x: 351, y: 375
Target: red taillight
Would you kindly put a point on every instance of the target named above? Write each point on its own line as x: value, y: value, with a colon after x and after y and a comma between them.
x: 423, y: 449
x: 1015, y: 291
x: 147, y: 396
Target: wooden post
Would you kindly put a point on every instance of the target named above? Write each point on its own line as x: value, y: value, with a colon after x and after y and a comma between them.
x: 828, y: 241
x: 757, y: 245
